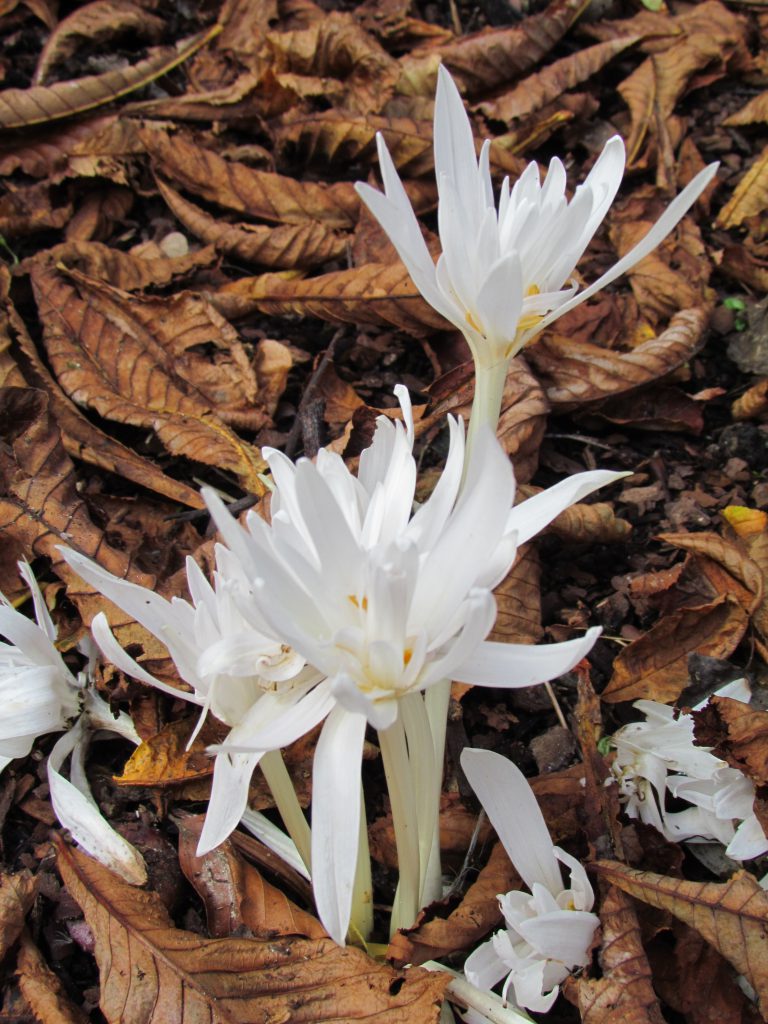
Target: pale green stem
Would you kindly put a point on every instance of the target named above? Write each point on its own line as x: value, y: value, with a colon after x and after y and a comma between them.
x: 436, y: 699
x: 486, y: 405
x: 467, y: 996
x: 394, y: 755
x: 423, y: 770
x: 361, y: 920
x: 287, y: 803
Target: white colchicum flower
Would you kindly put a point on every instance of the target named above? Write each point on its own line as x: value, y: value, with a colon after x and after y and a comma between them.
x: 549, y: 931
x: 40, y: 694
x: 658, y: 756
x: 505, y: 274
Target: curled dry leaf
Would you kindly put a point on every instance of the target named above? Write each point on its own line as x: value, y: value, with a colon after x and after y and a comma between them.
x: 541, y: 88
x: 750, y: 197
x: 114, y: 365
x: 738, y: 733
x: 152, y: 973
x: 576, y: 373
x: 732, y: 915
x: 27, y: 209
x: 96, y: 22
x: 658, y: 408
x: 43, y: 103
x: 518, y: 601
x: 17, y: 894
x: 42, y: 989
x: 236, y: 186
x: 377, y: 293
x: 234, y: 893
x: 95, y: 145
x: 656, y: 666
x: 625, y: 990
x: 477, y: 914
x: 753, y: 404
x: 581, y: 523
x: 731, y: 556
x: 285, y: 246
x: 753, y: 112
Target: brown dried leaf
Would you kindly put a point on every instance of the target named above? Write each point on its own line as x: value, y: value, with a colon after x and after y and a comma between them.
x: 542, y: 87
x: 518, y: 601
x: 97, y: 145
x: 234, y: 893
x: 271, y: 197
x: 285, y: 246
x: 658, y: 408
x: 97, y: 22
x: 753, y: 404
x: 580, y: 523
x: 377, y: 294
x: 753, y: 112
x: 750, y: 197
x: 119, y: 369
x: 154, y: 973
x: 626, y: 990
x: 477, y: 914
x: 166, y: 759
x: 656, y: 665
x: 491, y: 58
x: 732, y: 916
x: 576, y: 373
x: 43, y: 103
x: 27, y: 209
x: 17, y: 894
x: 732, y: 557
x: 43, y: 990
x: 737, y: 733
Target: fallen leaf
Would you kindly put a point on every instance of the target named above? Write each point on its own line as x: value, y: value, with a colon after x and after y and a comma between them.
x: 43, y: 103
x: 750, y: 197
x: 730, y: 556
x: 17, y: 894
x: 655, y: 667
x: 582, y: 523
x: 518, y: 601
x: 42, y: 989
x: 732, y: 915
x: 745, y: 522
x: 94, y: 145
x: 753, y: 404
x: 738, y: 733
x: 657, y: 408
x: 154, y: 973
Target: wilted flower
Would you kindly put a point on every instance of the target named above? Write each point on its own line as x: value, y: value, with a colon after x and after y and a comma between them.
x: 504, y: 275
x: 39, y: 695
x: 658, y: 756
x: 548, y: 931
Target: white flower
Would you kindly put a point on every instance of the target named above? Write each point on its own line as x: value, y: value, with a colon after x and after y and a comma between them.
x: 658, y: 756
x: 39, y: 694
x: 504, y: 275
x: 549, y: 931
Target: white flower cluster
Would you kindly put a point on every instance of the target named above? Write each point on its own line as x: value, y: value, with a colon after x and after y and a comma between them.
x: 657, y: 758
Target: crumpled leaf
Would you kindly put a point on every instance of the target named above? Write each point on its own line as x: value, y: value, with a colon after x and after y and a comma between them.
x: 115, y: 366
x: 97, y: 22
x: 152, y: 972
x: 42, y: 989
x: 625, y: 990
x: 234, y: 893
x: 95, y: 145
x: 284, y: 246
x: 576, y: 373
x: 271, y: 197
x: 753, y: 404
x: 656, y: 666
x: 753, y: 112
x: 732, y: 915
x: 750, y: 197
x: 43, y: 103
x: 27, y: 209
x: 738, y: 733
x: 731, y: 556
x: 17, y: 894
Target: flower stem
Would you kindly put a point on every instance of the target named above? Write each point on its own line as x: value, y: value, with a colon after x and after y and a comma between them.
x: 467, y: 996
x: 437, y: 698
x: 287, y: 803
x: 486, y: 405
x: 397, y: 768
x: 361, y: 919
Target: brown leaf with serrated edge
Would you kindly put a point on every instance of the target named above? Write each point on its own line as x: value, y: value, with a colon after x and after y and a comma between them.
x: 121, y: 269
x: 42, y: 103
x: 477, y: 914
x: 97, y: 22
x: 486, y: 60
x: 285, y: 246
x: 737, y: 733
x: 540, y: 88
x: 17, y: 894
x: 750, y: 197
x: 94, y: 145
x: 236, y: 186
x: 234, y: 893
x: 154, y: 973
x: 656, y: 665
x: 81, y: 438
x: 42, y: 989
x: 626, y: 990
x: 732, y: 916
x: 377, y: 294
x: 731, y: 556
x: 576, y: 373
x: 118, y: 369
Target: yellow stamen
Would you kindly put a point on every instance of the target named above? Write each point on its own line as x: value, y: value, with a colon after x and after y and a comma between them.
x: 474, y: 324
x: 358, y: 604
x: 407, y: 655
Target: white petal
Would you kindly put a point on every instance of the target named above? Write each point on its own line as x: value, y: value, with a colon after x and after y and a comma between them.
x: 483, y: 967
x: 749, y: 841
x: 565, y: 935
x: 513, y: 811
x: 336, y: 818
x: 229, y: 798
x: 531, y: 516
x: 274, y: 839
x: 279, y: 719
x: 512, y: 665
x: 44, y: 620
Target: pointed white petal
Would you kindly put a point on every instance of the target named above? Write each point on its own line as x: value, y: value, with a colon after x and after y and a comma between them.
x: 275, y: 839
x: 483, y: 967
x: 531, y: 516
x: 513, y: 665
x: 229, y: 798
x: 564, y: 935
